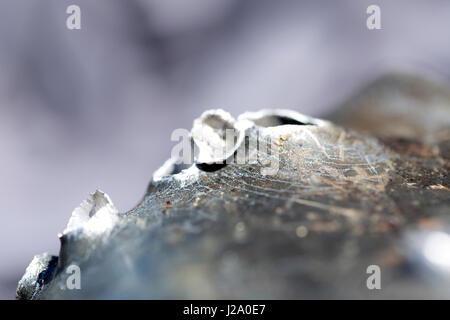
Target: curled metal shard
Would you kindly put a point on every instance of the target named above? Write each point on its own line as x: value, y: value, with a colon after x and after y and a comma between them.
x: 96, y: 215
x: 339, y: 202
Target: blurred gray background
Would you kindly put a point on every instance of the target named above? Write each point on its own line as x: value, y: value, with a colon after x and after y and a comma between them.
x: 94, y: 108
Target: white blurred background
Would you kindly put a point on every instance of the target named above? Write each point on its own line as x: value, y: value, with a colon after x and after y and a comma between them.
x: 94, y: 108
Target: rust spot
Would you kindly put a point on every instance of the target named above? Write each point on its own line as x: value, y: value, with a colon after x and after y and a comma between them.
x: 391, y: 258
x: 438, y: 187
x: 325, y: 226
x: 411, y: 147
x: 429, y: 223
x: 384, y: 226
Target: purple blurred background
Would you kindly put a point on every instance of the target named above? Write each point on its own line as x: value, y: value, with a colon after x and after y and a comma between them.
x: 94, y: 108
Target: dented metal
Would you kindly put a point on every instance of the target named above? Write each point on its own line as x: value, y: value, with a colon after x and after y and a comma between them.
x: 338, y: 202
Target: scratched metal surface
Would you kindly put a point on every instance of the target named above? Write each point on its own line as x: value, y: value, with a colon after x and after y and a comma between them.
x: 341, y: 200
